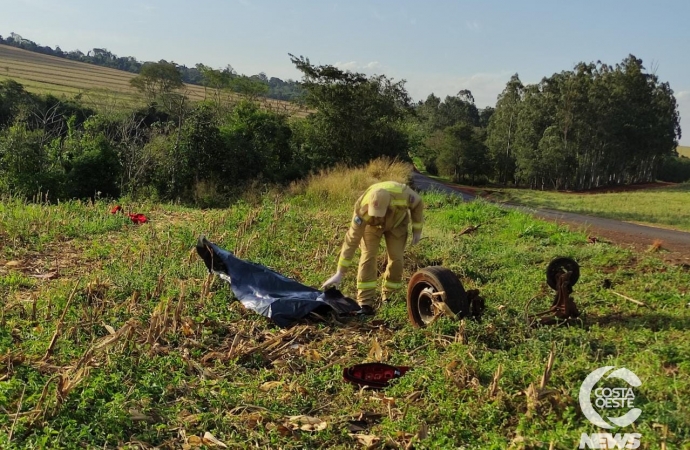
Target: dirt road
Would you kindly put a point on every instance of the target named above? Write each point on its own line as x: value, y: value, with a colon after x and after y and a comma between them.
x: 674, y: 244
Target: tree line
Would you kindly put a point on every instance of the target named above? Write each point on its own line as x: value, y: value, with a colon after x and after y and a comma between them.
x: 272, y: 87
x: 201, y: 153
x: 594, y: 126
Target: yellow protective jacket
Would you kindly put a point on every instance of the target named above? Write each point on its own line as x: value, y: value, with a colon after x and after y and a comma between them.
x: 405, y: 204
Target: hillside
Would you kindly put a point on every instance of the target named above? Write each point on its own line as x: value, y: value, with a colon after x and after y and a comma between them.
x: 41, y: 73
x: 114, y: 336
x: 684, y: 151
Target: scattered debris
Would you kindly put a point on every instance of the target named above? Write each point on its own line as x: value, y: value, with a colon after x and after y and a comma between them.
x: 373, y: 375
x: 45, y: 276
x: 470, y: 229
x: 207, y: 440
x: 306, y: 423
x: 561, y: 275
x: 435, y: 291
x: 137, y: 218
x: 363, y: 421
x: 477, y: 303
x: 592, y: 239
x: 607, y: 284
x: 637, y: 302
x: 376, y: 353
x: 656, y: 246
x: 367, y: 440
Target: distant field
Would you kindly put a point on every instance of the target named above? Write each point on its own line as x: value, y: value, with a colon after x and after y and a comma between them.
x: 684, y: 151
x: 666, y: 206
x: 58, y: 76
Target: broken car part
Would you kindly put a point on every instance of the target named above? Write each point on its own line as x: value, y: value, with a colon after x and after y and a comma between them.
x: 373, y: 375
x: 435, y: 291
x: 269, y: 293
x: 561, y: 275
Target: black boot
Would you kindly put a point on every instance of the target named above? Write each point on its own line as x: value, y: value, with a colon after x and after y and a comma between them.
x: 366, y: 310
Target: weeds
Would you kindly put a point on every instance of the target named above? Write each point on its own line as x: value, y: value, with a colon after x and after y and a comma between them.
x: 133, y: 345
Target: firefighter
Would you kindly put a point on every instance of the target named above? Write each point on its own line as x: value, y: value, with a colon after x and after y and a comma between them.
x: 384, y: 210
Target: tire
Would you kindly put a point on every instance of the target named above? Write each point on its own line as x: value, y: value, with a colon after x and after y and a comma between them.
x: 562, y: 265
x: 432, y: 280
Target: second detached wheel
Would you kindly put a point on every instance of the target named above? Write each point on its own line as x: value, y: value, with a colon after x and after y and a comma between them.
x: 559, y: 266
x: 435, y: 283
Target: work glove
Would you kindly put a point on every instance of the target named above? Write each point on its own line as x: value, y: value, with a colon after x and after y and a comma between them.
x: 416, y: 237
x: 335, y: 280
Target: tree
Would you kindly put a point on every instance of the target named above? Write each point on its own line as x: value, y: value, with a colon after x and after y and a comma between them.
x: 485, y: 116
x: 251, y: 88
x: 157, y: 78
x: 595, y: 125
x: 216, y: 80
x: 501, y: 130
x: 355, y: 118
x: 462, y: 153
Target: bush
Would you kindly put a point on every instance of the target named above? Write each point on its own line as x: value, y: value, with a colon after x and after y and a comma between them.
x: 24, y: 164
x: 93, y: 172
x: 675, y: 170
x: 342, y: 183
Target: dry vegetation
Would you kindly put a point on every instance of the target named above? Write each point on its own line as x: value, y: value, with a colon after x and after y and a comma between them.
x: 114, y: 336
x: 60, y: 76
x: 342, y: 184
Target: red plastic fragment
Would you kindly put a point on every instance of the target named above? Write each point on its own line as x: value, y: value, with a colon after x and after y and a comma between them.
x: 373, y: 375
x: 136, y: 218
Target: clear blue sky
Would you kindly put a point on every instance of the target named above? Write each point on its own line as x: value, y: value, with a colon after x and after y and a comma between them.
x: 437, y: 46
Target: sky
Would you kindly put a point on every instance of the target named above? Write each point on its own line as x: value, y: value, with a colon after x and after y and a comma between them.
x: 436, y: 46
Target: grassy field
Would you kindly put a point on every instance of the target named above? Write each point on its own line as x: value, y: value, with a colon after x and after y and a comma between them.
x: 684, y: 151
x: 666, y: 206
x: 59, y: 76
x: 112, y: 335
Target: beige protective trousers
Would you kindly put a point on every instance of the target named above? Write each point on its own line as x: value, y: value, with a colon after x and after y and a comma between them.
x: 368, y: 269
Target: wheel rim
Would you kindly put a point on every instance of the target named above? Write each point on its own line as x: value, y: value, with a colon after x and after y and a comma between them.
x: 425, y: 304
x: 559, y: 266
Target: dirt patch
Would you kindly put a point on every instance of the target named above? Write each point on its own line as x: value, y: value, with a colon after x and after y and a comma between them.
x: 45, y: 265
x: 676, y: 253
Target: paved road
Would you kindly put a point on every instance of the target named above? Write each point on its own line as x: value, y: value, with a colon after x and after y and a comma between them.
x: 620, y: 232
x: 424, y: 183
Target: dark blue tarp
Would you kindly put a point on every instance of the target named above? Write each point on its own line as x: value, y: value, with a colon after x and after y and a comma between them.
x: 269, y: 293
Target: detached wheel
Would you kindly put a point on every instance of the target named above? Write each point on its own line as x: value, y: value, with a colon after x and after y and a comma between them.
x: 420, y: 295
x: 559, y: 266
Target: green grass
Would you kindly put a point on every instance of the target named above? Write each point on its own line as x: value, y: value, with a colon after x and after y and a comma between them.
x: 667, y: 206
x: 180, y: 363
x: 684, y: 151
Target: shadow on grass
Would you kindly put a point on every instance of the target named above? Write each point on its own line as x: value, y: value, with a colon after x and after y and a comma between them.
x: 652, y: 320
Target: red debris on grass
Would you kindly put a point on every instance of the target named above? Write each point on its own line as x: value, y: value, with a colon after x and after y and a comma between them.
x: 135, y: 217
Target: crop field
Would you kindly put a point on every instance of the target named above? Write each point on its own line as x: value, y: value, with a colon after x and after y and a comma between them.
x: 59, y: 76
x: 667, y: 206
x: 112, y: 335
x: 684, y: 151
